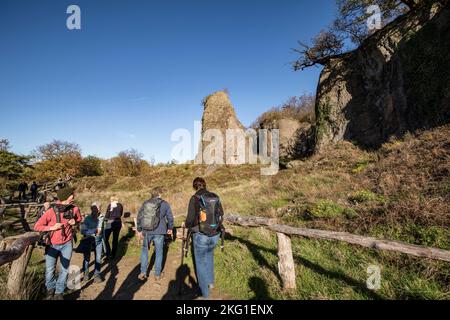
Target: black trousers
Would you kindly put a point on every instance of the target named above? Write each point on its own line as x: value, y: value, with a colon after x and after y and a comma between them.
x: 22, y: 195
x: 115, y: 231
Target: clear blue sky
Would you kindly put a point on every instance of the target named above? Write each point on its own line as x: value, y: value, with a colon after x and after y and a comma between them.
x: 137, y: 70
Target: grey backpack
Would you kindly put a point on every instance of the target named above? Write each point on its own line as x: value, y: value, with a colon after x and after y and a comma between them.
x: 149, y: 214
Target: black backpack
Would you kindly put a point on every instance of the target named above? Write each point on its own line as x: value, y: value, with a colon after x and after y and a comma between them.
x: 45, y: 236
x: 150, y: 214
x: 210, y: 218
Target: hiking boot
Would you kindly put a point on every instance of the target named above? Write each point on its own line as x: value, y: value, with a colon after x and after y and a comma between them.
x: 142, y: 277
x: 157, y: 278
x: 86, y: 277
x: 58, y: 296
x: 98, y: 279
x: 50, y: 294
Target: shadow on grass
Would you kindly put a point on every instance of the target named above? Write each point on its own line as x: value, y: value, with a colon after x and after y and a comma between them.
x: 259, y: 286
x: 255, y: 250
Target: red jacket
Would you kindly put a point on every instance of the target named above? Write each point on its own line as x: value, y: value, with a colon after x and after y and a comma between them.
x: 48, y: 220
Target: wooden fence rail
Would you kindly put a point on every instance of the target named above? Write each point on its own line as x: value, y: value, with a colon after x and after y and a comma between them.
x: 286, y: 262
x: 13, y: 247
x: 18, y: 250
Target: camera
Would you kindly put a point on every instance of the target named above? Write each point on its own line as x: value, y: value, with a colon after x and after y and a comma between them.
x: 68, y: 212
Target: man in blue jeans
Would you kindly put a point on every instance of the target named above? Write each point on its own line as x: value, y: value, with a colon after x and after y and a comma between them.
x: 154, y: 221
x: 58, y: 222
x: 204, y: 219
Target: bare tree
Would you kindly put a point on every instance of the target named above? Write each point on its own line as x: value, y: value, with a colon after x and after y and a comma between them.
x: 351, y: 24
x: 325, y: 45
x: 4, y: 145
x: 56, y: 149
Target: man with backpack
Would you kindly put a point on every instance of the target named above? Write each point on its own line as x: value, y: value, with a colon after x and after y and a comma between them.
x: 205, y: 221
x: 58, y: 222
x: 154, y: 221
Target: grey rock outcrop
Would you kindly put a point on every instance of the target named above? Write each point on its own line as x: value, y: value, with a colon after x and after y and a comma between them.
x: 397, y: 81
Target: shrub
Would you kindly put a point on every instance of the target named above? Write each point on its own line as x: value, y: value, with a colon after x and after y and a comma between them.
x: 91, y: 167
x: 301, y: 109
x: 129, y: 163
x: 329, y: 209
x: 360, y: 166
x: 366, y: 196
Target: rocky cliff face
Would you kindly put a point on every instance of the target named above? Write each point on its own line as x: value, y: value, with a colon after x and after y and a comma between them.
x: 218, y: 115
x: 295, y: 137
x: 398, y: 80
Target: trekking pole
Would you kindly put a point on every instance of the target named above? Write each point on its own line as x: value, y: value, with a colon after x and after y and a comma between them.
x: 183, y: 243
x: 222, y: 237
x: 188, y: 238
x: 180, y: 280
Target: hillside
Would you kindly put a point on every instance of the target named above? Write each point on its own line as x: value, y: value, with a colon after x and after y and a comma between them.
x: 399, y: 192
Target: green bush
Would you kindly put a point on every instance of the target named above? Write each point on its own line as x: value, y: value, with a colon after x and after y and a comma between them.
x: 360, y: 166
x: 366, y: 196
x: 329, y: 209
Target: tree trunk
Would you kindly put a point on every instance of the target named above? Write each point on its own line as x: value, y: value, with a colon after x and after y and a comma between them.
x: 286, y: 266
x: 17, y: 273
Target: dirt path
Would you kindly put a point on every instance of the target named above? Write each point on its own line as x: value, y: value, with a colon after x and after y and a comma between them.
x: 122, y: 283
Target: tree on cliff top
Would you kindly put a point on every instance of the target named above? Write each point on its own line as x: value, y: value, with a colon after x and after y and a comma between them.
x: 349, y: 29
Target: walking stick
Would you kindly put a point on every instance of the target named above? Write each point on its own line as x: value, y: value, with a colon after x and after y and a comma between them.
x: 183, y: 254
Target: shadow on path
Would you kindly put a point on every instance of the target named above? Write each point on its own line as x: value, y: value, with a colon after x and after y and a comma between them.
x: 113, y: 270
x: 184, y: 287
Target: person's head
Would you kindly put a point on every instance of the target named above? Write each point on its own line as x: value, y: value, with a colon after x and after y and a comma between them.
x: 95, y: 210
x: 46, y: 205
x: 199, y: 184
x: 114, y: 198
x: 66, y: 195
x: 156, y: 192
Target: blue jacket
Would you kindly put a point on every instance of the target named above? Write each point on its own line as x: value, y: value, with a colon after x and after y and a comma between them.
x: 90, y: 226
x: 165, y: 218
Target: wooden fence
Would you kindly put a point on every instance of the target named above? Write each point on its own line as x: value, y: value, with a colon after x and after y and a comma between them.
x: 17, y: 250
x: 286, y: 265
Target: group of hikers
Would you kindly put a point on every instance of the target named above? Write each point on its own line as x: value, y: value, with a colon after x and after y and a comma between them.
x: 58, y: 222
x: 23, y: 188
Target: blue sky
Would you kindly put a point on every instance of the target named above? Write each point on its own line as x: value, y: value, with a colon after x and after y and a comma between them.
x: 137, y: 70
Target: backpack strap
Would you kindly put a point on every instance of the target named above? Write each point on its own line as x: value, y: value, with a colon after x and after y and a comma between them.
x: 57, y: 213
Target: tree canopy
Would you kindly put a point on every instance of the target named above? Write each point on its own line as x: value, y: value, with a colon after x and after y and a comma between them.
x: 12, y: 166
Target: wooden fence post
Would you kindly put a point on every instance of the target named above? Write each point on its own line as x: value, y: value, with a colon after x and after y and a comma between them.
x: 17, y: 273
x: 286, y: 266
